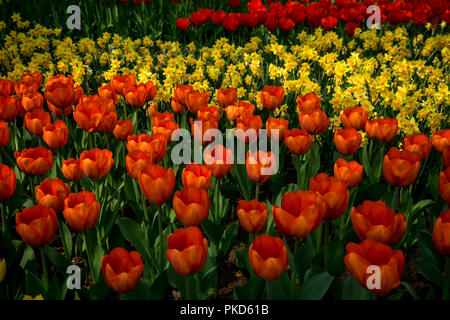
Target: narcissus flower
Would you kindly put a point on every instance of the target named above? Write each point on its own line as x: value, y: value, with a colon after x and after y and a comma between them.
x: 4, y: 134
x: 71, y: 169
x: 400, y: 168
x: 260, y: 165
x: 35, y: 160
x: 56, y: 134
x: 383, y: 129
x: 36, y: 120
x: 440, y: 139
x: 81, y: 210
x: 123, y: 129
x: 276, y: 124
x: 187, y: 250
x: 156, y: 183
x: 298, y: 141
x: 219, y: 160
x: 444, y: 185
x: 136, y: 160
x: 60, y: 91
x: 300, y: 214
x: 347, y: 141
x: 271, y: 97
x: 155, y: 144
x: 227, y: 97
x: 252, y: 215
x: 308, y: 102
x: 375, y: 220
x: 441, y: 231
x: 315, y: 122
x: 268, y: 257
x: 196, y: 175
x: 418, y: 143
x: 372, y: 253
x: 191, y: 205
x: 122, y: 269
x: 36, y: 225
x: 8, y: 182
x: 355, y: 118
x: 351, y: 173
x: 51, y: 193
x: 96, y: 163
x: 119, y: 83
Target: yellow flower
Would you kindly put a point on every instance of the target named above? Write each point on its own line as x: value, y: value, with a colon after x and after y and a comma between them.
x: 38, y: 297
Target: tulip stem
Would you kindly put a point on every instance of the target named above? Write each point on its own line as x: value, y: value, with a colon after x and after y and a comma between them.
x: 446, y: 285
x: 216, y: 200
x: 294, y: 269
x: 396, y: 203
x: 161, y: 247
x: 268, y: 290
x: 2, y: 207
x: 144, y: 206
x: 325, y: 242
x: 257, y: 191
x: 44, y: 268
x: 188, y: 287
x: 91, y: 140
x: 88, y: 253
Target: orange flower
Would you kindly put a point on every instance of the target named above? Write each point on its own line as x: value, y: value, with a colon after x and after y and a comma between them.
x: 136, y: 160
x: 371, y: 253
x: 355, y: 118
x: 195, y: 100
x: 36, y: 225
x: 150, y: 88
x: 219, y: 160
x: 156, y: 183
x: 444, y: 185
x: 400, y: 168
x: 191, y: 205
x: 276, y: 124
x: 300, y: 214
x: 156, y: 144
x: 227, y: 97
x: 271, y: 97
x: 8, y: 182
x: 23, y: 87
x: 96, y: 163
x: 31, y: 101
x: 441, y: 230
x: 123, y: 129
x: 375, y: 220
x: 152, y: 109
x: 51, y: 193
x: 268, y: 257
x: 308, y: 102
x: 383, y: 129
x: 9, y: 108
x: 119, y: 83
x: 6, y: 87
x: 81, y: 210
x: 252, y: 215
x: 351, y: 173
x: 446, y: 157
x: 205, y: 112
x: 418, y: 143
x: 60, y: 91
x: 161, y: 117
x: 95, y: 114
x: 71, y: 169
x: 136, y: 96
x: 315, y: 122
x: 196, y: 175
x: 298, y: 141
x: 57, y: 112
x: 34, y: 160
x: 334, y: 192
x: 36, y: 120
x: 247, y: 128
x: 347, y: 141
x: 35, y: 78
x: 166, y: 129
x: 122, y: 269
x: 242, y: 109
x: 200, y: 126
x: 260, y: 165
x: 177, y: 107
x: 440, y: 139
x: 187, y: 250
x: 4, y: 134
x: 181, y: 92
x: 107, y: 92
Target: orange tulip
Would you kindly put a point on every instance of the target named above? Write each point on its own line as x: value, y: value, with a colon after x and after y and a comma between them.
x: 161, y: 117
x: 4, y: 134
x: 187, y: 250
x: 8, y: 182
x: 96, y: 163
x: 181, y: 92
x: 271, y: 97
x: 150, y: 88
x: 383, y: 129
x: 250, y: 126
x: 136, y: 96
x: 276, y: 124
x: 219, y: 160
x: 156, y: 144
x: 107, y: 92
x: 298, y: 141
x: 268, y: 257
x: 400, y: 168
x: 136, y: 160
x: 444, y: 185
x: 195, y: 100
x: 315, y: 122
x: 351, y: 173
x: 36, y: 225
x: 23, y: 87
x: 334, y: 192
x: 166, y: 129
x: 34, y: 160
x: 252, y: 215
x: 205, y: 112
x: 347, y: 141
x: 177, y: 107
x: 440, y: 139
x: 57, y: 112
x: 371, y: 253
x: 81, y: 210
x: 35, y: 78
x: 95, y: 114
x: 6, y: 87
x: 123, y: 129
x: 446, y: 157
x: 418, y: 143
x: 31, y: 101
x: 375, y: 220
x: 119, y: 83
x: 9, y: 108
x: 242, y: 109
x: 441, y: 230
x: 260, y: 165
x: 152, y: 109
x: 200, y: 127
x: 191, y: 205
x: 196, y: 175
x: 36, y: 120
x: 51, y: 193
x: 71, y: 169
x: 308, y: 103
x: 156, y: 183
x: 122, y: 269
x: 60, y: 91
x: 227, y: 97
x: 300, y: 214
x: 355, y: 118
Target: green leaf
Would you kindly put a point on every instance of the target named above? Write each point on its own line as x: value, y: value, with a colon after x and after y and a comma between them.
x: 228, y: 238
x: 315, y: 287
x: 58, y: 260
x: 135, y: 234
x: 251, y: 290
